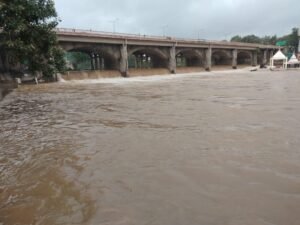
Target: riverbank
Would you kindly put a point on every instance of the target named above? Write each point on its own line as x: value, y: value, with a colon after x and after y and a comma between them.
x: 6, y: 88
x: 6, y: 85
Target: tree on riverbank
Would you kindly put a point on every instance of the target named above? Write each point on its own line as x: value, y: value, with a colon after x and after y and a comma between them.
x: 27, y: 37
x: 290, y: 39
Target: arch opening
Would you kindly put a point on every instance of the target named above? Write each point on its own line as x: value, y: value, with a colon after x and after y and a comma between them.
x: 89, y: 59
x: 189, y: 58
x: 244, y: 58
x: 78, y: 60
x: 146, y: 59
x: 221, y: 58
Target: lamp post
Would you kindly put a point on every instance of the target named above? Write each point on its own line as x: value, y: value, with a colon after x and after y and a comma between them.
x: 164, y: 29
x: 198, y: 33
x: 114, y: 23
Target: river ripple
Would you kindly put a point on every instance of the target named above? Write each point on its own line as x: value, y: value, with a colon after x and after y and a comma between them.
x: 212, y: 149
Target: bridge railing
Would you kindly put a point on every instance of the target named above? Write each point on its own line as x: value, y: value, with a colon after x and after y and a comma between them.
x: 158, y: 38
x: 117, y: 34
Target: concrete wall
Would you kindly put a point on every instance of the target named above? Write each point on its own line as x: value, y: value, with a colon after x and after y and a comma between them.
x: 81, y: 75
x: 190, y: 69
x: 147, y: 72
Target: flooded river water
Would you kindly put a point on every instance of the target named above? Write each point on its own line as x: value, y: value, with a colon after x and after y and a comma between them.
x: 211, y: 149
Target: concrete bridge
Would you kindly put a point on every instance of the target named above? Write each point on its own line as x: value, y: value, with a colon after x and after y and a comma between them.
x: 127, y: 53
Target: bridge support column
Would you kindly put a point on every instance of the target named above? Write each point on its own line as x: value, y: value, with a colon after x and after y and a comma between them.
x: 254, y: 58
x: 234, y: 58
x: 208, y: 55
x: 265, y: 60
x: 97, y: 59
x: 140, y: 61
x: 172, y: 60
x: 124, y: 60
x: 101, y: 63
x: 93, y: 64
x: 271, y: 54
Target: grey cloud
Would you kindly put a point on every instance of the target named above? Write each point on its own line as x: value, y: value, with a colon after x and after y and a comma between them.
x: 210, y: 19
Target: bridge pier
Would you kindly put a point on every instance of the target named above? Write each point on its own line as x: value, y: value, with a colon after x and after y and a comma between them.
x: 271, y: 53
x: 124, y: 60
x: 172, y: 60
x: 234, y: 58
x: 93, y: 64
x: 254, y: 58
x: 265, y: 60
x: 101, y: 61
x: 98, y: 65
x: 208, y: 56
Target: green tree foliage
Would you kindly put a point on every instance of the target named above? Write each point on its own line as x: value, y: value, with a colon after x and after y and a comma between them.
x: 268, y: 40
x: 28, y: 35
x: 251, y: 39
x: 291, y: 39
x: 246, y: 39
x: 236, y: 38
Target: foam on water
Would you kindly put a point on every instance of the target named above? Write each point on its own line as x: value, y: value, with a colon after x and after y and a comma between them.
x: 142, y: 79
x: 153, y: 78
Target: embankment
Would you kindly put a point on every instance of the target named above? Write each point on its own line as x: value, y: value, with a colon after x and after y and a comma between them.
x: 82, y: 75
x: 6, y: 85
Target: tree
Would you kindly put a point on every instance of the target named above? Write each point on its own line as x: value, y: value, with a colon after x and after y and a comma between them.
x: 28, y: 36
x: 251, y: 39
x: 236, y: 38
x: 293, y: 40
x: 269, y: 40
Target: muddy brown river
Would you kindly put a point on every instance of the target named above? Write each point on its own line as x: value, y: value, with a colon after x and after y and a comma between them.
x: 209, y: 149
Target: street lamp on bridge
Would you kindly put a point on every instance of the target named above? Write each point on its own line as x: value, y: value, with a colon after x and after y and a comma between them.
x: 114, y: 23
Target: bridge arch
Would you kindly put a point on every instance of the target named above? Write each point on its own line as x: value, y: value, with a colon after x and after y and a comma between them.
x: 189, y: 58
x: 99, y: 57
x: 108, y: 57
x: 147, y: 57
x: 221, y: 58
x: 78, y: 59
x: 244, y: 58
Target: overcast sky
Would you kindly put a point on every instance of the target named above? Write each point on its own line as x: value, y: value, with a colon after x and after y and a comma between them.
x: 208, y: 19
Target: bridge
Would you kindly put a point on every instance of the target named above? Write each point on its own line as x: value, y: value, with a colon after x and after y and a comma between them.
x: 127, y: 54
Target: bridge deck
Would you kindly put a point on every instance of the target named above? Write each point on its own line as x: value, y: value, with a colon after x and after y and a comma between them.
x: 89, y: 36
